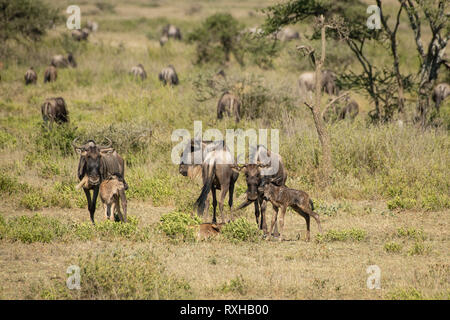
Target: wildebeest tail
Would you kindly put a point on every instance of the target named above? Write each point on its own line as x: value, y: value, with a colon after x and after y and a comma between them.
x: 311, y: 204
x: 200, y: 203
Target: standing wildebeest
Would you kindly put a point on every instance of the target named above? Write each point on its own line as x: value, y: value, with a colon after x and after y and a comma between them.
x: 350, y: 109
x: 255, y: 179
x: 440, y: 93
x: 98, y: 163
x: 168, y: 75
x: 284, y: 197
x: 92, y: 26
x: 287, y: 34
x: 60, y: 61
x: 30, y: 76
x: 54, y: 110
x: 50, y: 74
x: 139, y: 71
x: 112, y: 192
x: 229, y: 104
x: 217, y: 174
x: 171, y: 31
x: 307, y: 82
x: 79, y: 35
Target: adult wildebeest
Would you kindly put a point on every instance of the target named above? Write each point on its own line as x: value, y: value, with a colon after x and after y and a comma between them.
x: 217, y: 174
x: 92, y: 26
x: 307, y: 82
x: 50, y: 74
x: 267, y: 167
x: 168, y: 75
x: 54, y: 110
x: 30, y: 76
x: 287, y: 34
x: 98, y: 163
x: 229, y: 104
x: 163, y: 40
x: 171, y: 31
x: 440, y: 93
x: 139, y: 71
x: 80, y: 35
x: 283, y: 197
x: 350, y: 109
x: 112, y: 192
x: 60, y: 61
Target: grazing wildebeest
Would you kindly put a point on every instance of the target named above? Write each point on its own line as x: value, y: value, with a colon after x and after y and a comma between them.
x: 287, y: 34
x: 98, y: 163
x: 54, y: 110
x: 79, y: 35
x: 168, y: 75
x: 171, y: 31
x: 229, y: 104
x: 139, y: 71
x: 30, y: 76
x: 440, y: 93
x: 92, y: 26
x: 255, y: 179
x: 307, y: 82
x: 60, y: 61
x: 50, y: 74
x: 163, y: 40
x: 217, y: 174
x: 283, y: 197
x: 350, y: 109
x: 112, y: 192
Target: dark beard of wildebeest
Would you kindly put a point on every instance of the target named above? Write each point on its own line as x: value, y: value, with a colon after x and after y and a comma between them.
x: 217, y: 173
x: 54, y: 110
x: 283, y: 197
x: 255, y: 180
x: 98, y: 163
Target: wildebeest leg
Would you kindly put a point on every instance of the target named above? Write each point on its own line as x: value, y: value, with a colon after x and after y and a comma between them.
x: 87, y: 192
x: 123, y: 199
x: 223, y: 194
x: 274, y: 221
x: 312, y: 214
x: 230, y: 199
x: 213, y: 192
x: 93, y: 203
x: 263, y: 224
x: 307, y: 219
x: 243, y: 205
x: 283, y: 212
x: 257, y: 213
x: 275, y: 230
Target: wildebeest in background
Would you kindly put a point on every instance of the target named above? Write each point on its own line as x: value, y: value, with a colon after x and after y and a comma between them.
x: 307, y: 82
x: 50, y: 74
x: 92, y: 26
x: 54, y: 110
x: 440, y: 93
x: 169, y: 76
x: 112, y: 193
x: 163, y: 40
x: 283, y: 197
x: 287, y: 34
x: 350, y: 109
x: 217, y: 174
x: 139, y: 71
x: 30, y: 76
x: 171, y: 31
x: 98, y: 163
x: 60, y: 61
x: 229, y: 104
x: 80, y: 35
x: 255, y: 178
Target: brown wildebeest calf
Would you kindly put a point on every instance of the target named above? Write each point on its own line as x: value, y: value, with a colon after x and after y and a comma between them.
x: 284, y: 197
x: 112, y: 192
x: 208, y: 230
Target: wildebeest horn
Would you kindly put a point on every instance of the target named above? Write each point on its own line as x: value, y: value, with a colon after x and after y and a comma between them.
x: 107, y: 146
x: 74, y: 145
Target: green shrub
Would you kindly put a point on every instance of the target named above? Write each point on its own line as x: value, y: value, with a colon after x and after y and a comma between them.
x: 36, y: 228
x: 58, y: 139
x: 411, y: 233
x: 392, y: 247
x: 117, y: 274
x: 401, y: 203
x: 419, y: 248
x: 6, y: 139
x: 405, y: 294
x: 236, y: 285
x: 342, y: 235
x: 34, y: 200
x: 241, y: 230
x: 176, y: 225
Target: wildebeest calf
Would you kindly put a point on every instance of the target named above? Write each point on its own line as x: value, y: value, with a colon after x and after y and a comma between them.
x: 284, y: 197
x: 112, y: 192
x: 229, y: 104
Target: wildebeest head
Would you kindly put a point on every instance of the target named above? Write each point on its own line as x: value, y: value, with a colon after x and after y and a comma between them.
x: 90, y: 160
x: 253, y: 177
x: 193, y: 155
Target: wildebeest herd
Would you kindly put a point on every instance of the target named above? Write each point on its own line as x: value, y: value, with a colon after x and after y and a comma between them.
x: 101, y: 170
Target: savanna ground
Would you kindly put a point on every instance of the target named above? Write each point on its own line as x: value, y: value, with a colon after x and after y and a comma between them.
x: 388, y: 204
